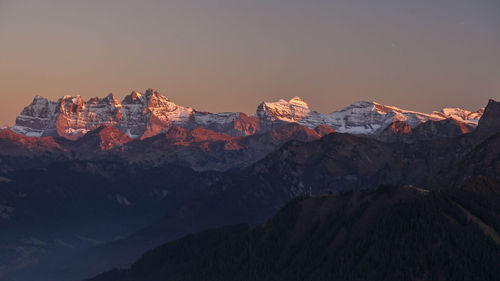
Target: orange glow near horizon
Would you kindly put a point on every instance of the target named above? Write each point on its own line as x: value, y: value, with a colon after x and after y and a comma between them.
x: 231, y: 55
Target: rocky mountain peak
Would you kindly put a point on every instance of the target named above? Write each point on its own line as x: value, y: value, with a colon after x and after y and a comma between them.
x: 110, y: 99
x: 70, y: 104
x: 36, y: 118
x: 466, y: 117
x: 72, y: 99
x: 38, y: 99
x: 152, y: 92
x: 490, y: 120
x: 133, y: 98
x: 74, y: 117
x: 156, y: 100
x: 282, y: 110
x: 362, y: 104
x: 40, y: 107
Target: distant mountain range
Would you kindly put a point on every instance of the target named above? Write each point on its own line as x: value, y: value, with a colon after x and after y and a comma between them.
x: 73, y: 208
x: 143, y: 115
x: 150, y: 129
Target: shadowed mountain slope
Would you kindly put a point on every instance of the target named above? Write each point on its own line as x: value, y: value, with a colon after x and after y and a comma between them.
x: 392, y: 233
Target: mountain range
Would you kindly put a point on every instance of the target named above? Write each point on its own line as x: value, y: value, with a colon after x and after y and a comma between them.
x: 150, y: 129
x: 73, y: 206
x: 143, y: 115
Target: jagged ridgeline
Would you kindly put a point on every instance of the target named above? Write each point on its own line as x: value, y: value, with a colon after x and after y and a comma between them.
x: 392, y: 233
x: 147, y: 114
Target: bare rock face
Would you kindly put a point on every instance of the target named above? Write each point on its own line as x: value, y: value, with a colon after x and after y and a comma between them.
x: 400, y: 128
x: 245, y: 125
x: 134, y: 114
x: 97, y: 144
x: 37, y: 119
x: 111, y: 138
x: 75, y: 117
x: 396, y: 131
x: 150, y: 114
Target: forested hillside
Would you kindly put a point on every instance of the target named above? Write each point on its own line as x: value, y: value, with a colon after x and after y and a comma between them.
x: 392, y: 233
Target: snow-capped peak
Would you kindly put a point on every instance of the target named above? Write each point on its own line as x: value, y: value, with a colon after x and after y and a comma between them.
x: 111, y: 100
x: 287, y: 111
x: 133, y: 98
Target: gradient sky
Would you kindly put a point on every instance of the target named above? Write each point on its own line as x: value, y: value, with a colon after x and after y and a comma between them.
x: 229, y: 55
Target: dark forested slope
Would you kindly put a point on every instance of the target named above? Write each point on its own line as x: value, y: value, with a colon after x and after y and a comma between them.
x: 392, y: 233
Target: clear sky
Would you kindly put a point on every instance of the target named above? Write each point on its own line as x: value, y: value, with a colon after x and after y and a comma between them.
x: 229, y: 55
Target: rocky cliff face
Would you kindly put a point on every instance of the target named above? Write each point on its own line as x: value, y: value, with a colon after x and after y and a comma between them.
x: 37, y: 119
x: 150, y: 114
x: 75, y: 117
x: 145, y: 115
x: 490, y: 122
